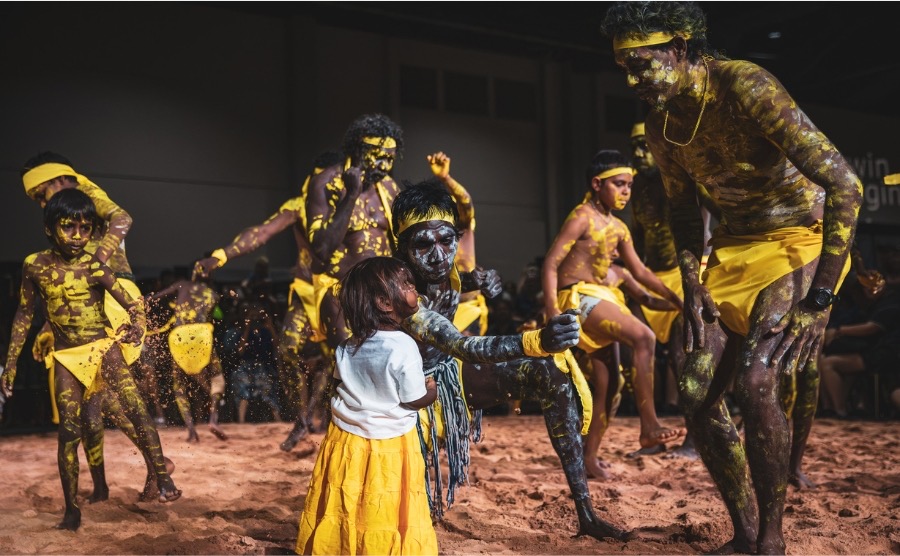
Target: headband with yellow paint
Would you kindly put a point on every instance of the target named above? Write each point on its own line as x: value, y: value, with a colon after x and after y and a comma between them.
x: 636, y: 41
x: 433, y: 213
x: 383, y: 142
x: 615, y: 172
x: 892, y: 179
x: 638, y: 130
x: 46, y: 172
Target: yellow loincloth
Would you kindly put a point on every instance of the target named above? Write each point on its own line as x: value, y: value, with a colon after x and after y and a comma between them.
x: 191, y: 346
x: 118, y: 316
x: 321, y: 284
x: 468, y: 311
x: 306, y: 293
x: 742, y: 266
x: 570, y: 298
x: 84, y: 361
x: 661, y: 321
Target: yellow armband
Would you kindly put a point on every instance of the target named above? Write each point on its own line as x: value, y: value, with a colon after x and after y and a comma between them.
x: 531, y: 343
x: 221, y: 256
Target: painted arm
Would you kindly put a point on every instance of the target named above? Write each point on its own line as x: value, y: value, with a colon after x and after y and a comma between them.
x: 572, y: 229
x: 330, y: 202
x: 434, y: 329
x: 439, y: 163
x: 687, y: 229
x: 20, y: 327
x: 132, y: 331
x: 643, y: 275
x: 782, y: 122
x: 118, y: 221
x: 252, y: 238
x: 636, y: 291
x: 486, y: 281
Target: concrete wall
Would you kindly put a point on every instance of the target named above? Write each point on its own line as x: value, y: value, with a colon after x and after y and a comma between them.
x: 200, y: 121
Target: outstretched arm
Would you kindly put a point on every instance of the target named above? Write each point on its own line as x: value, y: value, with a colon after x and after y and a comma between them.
x: 439, y: 163
x: 434, y: 329
x: 252, y: 238
x: 643, y: 275
x: 132, y: 331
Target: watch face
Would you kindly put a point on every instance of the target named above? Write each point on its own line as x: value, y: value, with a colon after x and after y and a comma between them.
x: 823, y: 298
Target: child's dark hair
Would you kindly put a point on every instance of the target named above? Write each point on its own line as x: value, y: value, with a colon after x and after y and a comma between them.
x: 45, y: 157
x: 604, y: 160
x: 68, y: 203
x: 366, y: 281
x: 417, y: 200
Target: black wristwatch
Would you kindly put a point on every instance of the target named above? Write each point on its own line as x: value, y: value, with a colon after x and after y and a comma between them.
x: 820, y: 299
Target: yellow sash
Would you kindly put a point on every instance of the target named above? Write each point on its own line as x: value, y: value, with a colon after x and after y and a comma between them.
x: 84, y: 361
x: 469, y: 311
x: 306, y: 293
x: 118, y: 316
x: 742, y: 266
x: 191, y: 346
x: 566, y: 363
x: 661, y: 321
x: 571, y: 299
x: 321, y: 284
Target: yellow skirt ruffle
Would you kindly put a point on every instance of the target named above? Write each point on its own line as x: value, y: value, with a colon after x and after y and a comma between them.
x: 367, y: 497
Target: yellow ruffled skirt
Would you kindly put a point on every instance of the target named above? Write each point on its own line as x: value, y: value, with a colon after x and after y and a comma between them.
x: 367, y: 497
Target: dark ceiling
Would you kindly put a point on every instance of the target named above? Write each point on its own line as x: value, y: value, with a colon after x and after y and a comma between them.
x: 837, y: 54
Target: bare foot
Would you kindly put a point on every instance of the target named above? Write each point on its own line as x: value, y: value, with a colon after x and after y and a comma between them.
x: 801, y: 481
x: 100, y: 494
x: 683, y: 452
x: 71, y: 521
x: 307, y: 448
x: 219, y: 433
x: 594, y: 469
x: 661, y: 435
x: 167, y: 495
x: 734, y: 547
x: 651, y: 451
x: 193, y: 436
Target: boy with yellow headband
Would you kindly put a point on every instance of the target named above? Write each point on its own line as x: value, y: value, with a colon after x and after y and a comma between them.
x: 789, y: 204
x: 71, y: 283
x: 575, y: 268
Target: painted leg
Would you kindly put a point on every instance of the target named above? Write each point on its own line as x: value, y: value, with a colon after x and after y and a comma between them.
x: 69, y: 393
x: 92, y: 435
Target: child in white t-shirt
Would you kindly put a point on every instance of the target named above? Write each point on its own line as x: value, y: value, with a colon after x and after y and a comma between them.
x: 367, y: 494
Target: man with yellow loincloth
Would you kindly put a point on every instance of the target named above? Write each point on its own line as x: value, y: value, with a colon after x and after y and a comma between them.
x: 43, y: 176
x: 71, y: 283
x: 194, y: 357
x: 496, y: 368
x: 789, y: 203
x: 573, y: 275
x: 301, y: 365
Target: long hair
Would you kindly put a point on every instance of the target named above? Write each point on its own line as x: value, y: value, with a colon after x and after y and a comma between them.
x: 68, y: 203
x: 417, y: 201
x: 368, y: 280
x: 602, y: 161
x: 625, y: 19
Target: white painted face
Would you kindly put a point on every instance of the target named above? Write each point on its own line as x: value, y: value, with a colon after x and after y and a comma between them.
x: 432, y: 249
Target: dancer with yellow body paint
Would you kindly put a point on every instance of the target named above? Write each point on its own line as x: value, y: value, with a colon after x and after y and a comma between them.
x: 71, y: 284
x: 301, y: 365
x: 194, y: 357
x: 575, y: 268
x: 789, y: 203
x: 43, y: 176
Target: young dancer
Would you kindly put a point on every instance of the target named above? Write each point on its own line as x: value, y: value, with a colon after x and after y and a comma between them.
x: 71, y: 284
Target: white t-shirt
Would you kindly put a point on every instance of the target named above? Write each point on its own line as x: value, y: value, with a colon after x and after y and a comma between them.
x: 385, y: 372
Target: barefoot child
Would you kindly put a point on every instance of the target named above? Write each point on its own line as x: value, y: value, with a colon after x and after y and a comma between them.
x: 367, y: 494
x: 72, y: 284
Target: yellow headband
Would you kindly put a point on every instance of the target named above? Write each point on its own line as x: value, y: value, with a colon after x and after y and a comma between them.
x: 635, y: 41
x: 637, y: 130
x: 892, y: 179
x: 46, y: 172
x: 615, y: 172
x: 383, y: 142
x: 433, y: 213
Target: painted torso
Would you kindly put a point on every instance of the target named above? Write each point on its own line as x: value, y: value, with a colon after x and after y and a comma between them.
x: 590, y: 255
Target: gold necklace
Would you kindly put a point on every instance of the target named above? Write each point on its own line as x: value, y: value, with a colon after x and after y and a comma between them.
x: 702, y: 107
